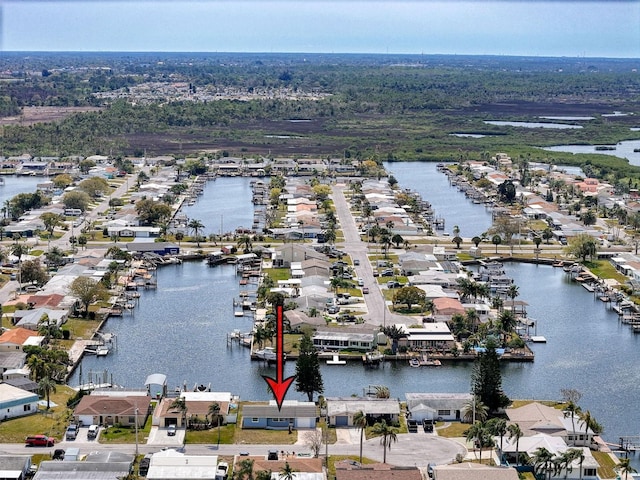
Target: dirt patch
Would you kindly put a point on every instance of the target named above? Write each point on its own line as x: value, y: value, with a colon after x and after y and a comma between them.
x: 32, y: 115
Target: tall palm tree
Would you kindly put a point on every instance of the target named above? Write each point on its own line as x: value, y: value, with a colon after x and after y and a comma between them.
x: 480, y: 435
x: 498, y: 427
x: 512, y: 293
x: 388, y: 434
x: 287, y: 473
x: 214, y: 411
x: 360, y: 422
x: 515, y: 432
x: 47, y: 386
x: 474, y: 410
x: 244, y: 242
x: 572, y: 410
x: 196, y: 226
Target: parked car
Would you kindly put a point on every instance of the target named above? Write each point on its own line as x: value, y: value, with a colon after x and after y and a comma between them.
x: 272, y: 455
x: 427, y: 425
x: 171, y: 431
x: 365, y: 290
x: 412, y: 426
x: 393, y: 284
x: 387, y: 272
x: 356, y: 262
x: 222, y: 471
x: 143, y: 468
x: 39, y: 441
x: 93, y: 432
x: 333, y: 309
x: 58, y: 454
x: 360, y: 282
x: 72, y: 432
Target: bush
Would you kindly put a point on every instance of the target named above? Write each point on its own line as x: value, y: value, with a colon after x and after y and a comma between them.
x: 66, y: 334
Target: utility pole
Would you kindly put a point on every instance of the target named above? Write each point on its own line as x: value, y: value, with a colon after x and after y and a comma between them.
x: 136, y: 422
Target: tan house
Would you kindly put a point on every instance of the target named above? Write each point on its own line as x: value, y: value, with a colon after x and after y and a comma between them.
x: 347, y: 470
x: 113, y: 407
x: 197, y: 404
x: 447, y: 306
x: 473, y: 471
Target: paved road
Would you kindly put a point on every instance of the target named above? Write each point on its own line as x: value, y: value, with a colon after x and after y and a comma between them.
x: 378, y: 313
x: 412, y: 449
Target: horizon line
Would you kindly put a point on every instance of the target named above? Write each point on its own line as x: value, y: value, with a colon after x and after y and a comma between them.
x: 386, y: 54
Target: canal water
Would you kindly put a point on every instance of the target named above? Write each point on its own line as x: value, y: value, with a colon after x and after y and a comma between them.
x: 448, y: 203
x: 181, y: 330
x: 13, y: 185
x: 219, y: 209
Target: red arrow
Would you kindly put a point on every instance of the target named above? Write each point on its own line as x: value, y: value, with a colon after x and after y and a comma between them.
x: 279, y: 386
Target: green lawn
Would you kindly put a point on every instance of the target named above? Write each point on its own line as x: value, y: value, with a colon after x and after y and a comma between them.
x: 607, y: 465
x: 116, y: 434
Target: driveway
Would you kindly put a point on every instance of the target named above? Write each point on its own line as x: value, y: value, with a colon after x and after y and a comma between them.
x: 158, y: 436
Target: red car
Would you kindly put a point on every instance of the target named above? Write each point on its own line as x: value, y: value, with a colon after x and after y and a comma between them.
x: 39, y: 441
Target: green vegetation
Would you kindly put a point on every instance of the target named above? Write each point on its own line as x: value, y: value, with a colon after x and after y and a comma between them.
x: 120, y: 434
x: 607, y: 464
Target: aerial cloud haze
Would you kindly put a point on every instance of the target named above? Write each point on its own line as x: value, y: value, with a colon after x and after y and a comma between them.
x: 549, y: 28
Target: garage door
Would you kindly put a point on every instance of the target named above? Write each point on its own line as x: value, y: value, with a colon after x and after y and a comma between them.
x: 342, y: 421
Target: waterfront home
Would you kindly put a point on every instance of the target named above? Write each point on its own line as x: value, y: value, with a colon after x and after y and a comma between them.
x: 298, y: 320
x: 15, y: 402
x: 197, y: 404
x: 350, y: 470
x: 134, y: 232
x: 473, y: 471
x: 437, y: 406
x: 12, y: 362
x: 341, y: 410
x: 177, y: 466
x: 535, y: 418
x: 159, y: 248
x: 293, y: 414
x: 20, y: 379
x: 585, y: 469
x: 14, y: 339
x: 432, y: 336
x: 96, y: 466
x: 110, y: 407
x: 341, y: 340
x: 31, y: 319
x: 447, y: 306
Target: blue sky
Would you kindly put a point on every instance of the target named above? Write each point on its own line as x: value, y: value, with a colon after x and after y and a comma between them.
x: 503, y: 27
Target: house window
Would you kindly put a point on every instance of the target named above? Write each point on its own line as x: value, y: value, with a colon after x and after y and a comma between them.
x: 442, y: 413
x: 132, y: 419
x: 27, y: 407
x: 589, y: 472
x: 255, y: 419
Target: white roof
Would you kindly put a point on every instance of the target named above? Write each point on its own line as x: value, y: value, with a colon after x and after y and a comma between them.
x: 173, y: 464
x: 9, y: 393
x: 206, y: 396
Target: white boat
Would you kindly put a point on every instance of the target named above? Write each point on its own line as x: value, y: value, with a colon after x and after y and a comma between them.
x: 267, y: 353
x: 414, y: 362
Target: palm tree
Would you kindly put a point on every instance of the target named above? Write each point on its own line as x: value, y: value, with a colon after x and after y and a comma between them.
x: 512, y: 293
x: 496, y: 240
x: 287, y: 473
x: 625, y: 467
x: 474, y: 410
x: 196, y: 226
x: 542, y: 461
x: 395, y: 333
x: 180, y: 404
x: 515, y: 432
x: 479, y: 434
x: 388, y: 434
x: 572, y: 410
x: 244, y: 242
x: 214, y: 411
x: 47, y: 386
x: 360, y: 422
x: 382, y: 391
x: 498, y: 427
x: 245, y: 472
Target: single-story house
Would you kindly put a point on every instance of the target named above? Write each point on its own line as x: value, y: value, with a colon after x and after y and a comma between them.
x: 293, y: 413
x: 435, y: 406
x: 159, y: 248
x: 15, y: 402
x: 21, y: 381
x: 306, y: 467
x: 171, y: 464
x: 13, y: 340
x: 473, y: 471
x: 111, y: 407
x: 434, y: 335
x: 96, y: 466
x: 12, y: 360
x: 341, y: 410
x: 14, y: 467
x: 349, y: 470
x: 30, y: 319
x: 364, y: 341
x: 197, y: 404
